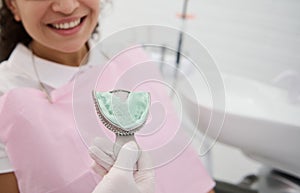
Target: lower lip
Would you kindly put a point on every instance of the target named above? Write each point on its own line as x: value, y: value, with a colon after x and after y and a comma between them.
x: 71, y: 31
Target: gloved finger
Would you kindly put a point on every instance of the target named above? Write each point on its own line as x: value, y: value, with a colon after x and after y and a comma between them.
x: 101, y: 158
x: 127, y: 157
x: 99, y: 169
x: 145, y: 175
x: 102, y: 152
x: 105, y: 145
x: 145, y: 162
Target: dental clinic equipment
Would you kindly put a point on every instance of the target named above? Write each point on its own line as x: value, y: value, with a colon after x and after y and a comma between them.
x: 180, y: 42
x: 289, y: 80
x: 183, y: 17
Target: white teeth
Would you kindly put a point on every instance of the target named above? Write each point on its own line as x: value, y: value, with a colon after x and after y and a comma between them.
x: 69, y: 25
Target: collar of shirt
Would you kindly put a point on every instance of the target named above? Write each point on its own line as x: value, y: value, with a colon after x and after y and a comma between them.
x: 50, y: 73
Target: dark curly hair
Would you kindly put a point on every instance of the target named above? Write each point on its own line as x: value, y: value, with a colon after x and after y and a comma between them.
x: 13, y: 32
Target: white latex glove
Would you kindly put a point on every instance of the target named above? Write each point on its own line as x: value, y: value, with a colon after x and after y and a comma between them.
x: 122, y: 177
x: 102, y: 153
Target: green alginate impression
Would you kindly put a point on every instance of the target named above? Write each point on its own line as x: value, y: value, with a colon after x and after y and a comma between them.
x: 126, y: 114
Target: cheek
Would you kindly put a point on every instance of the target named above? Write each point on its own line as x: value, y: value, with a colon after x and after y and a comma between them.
x: 31, y: 18
x: 32, y: 9
x: 95, y: 6
x: 33, y: 25
x: 30, y: 21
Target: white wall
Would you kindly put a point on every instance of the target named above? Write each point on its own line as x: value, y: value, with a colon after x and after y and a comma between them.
x: 247, y: 37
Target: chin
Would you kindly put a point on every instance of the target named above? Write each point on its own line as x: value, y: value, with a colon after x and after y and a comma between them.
x: 73, y: 48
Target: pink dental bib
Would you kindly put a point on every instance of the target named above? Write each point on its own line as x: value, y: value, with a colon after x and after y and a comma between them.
x: 45, y: 150
x: 44, y: 141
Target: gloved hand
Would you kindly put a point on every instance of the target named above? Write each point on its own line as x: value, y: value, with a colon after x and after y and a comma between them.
x: 102, y: 153
x: 121, y: 177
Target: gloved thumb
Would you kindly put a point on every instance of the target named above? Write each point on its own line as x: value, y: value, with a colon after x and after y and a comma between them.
x: 127, y: 157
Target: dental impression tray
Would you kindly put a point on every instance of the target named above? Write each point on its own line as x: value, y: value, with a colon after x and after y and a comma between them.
x: 123, y: 112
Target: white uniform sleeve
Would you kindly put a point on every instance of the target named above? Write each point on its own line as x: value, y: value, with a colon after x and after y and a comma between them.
x: 5, y: 165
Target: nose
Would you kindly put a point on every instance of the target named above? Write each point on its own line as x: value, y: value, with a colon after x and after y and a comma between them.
x: 65, y: 6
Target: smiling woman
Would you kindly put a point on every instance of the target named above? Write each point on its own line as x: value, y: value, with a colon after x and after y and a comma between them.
x: 42, y: 44
x: 14, y: 26
x: 56, y: 27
